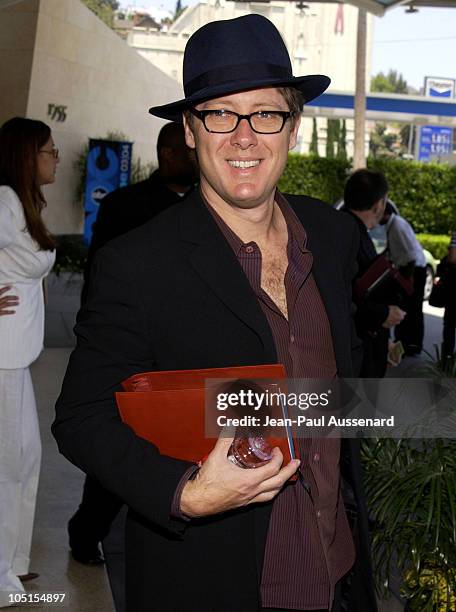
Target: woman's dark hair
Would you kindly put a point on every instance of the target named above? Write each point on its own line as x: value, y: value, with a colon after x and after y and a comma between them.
x: 20, y: 142
x: 364, y: 188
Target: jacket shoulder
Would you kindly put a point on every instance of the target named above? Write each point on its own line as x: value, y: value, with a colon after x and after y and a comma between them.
x: 160, y: 232
x: 311, y: 210
x: 128, y: 192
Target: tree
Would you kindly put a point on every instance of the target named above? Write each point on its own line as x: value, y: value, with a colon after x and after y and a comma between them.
x: 314, y: 142
x: 383, y: 143
x: 103, y: 9
x: 179, y: 9
x: 332, y: 137
x: 393, y: 82
x: 342, y: 142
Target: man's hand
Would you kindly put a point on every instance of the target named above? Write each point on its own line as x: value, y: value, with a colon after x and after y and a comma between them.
x: 395, y: 316
x: 220, y: 485
x: 7, y: 301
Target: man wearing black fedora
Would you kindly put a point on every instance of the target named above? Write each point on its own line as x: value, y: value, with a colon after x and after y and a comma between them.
x: 238, y: 275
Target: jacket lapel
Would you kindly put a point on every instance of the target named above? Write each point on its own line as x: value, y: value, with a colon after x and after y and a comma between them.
x: 214, y: 261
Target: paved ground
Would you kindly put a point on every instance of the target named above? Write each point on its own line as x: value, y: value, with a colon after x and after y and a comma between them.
x: 87, y: 589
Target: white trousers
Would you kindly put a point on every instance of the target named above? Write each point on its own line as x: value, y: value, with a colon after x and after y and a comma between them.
x: 20, y: 458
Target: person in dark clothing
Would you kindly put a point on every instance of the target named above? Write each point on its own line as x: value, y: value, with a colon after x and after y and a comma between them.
x: 365, y: 199
x: 238, y: 274
x: 121, y: 211
x: 129, y: 207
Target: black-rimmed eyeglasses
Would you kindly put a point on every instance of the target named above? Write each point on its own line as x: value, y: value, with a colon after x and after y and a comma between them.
x: 54, y: 152
x: 223, y: 121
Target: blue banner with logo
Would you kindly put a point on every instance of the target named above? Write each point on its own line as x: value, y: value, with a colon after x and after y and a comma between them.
x: 108, y: 168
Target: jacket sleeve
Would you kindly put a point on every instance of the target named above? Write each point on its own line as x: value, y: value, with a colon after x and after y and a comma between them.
x: 371, y: 316
x: 112, y: 344
x: 351, y: 270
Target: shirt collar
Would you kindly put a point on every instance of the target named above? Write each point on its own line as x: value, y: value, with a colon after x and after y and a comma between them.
x: 295, y: 227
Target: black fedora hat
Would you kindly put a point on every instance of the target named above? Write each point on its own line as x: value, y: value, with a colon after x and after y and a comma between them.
x: 234, y: 55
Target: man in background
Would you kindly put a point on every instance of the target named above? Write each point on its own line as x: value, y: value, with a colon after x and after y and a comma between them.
x: 128, y: 207
x: 365, y: 199
x: 406, y: 253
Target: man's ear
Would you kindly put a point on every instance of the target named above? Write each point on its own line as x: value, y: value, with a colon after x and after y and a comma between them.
x: 189, y: 136
x: 379, y: 208
x: 294, y: 133
x: 375, y: 208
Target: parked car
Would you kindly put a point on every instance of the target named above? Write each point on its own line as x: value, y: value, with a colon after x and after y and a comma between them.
x: 378, y: 235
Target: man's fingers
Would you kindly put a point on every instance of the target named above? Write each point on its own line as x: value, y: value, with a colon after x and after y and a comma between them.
x: 5, y: 289
x: 278, y: 480
x: 272, y: 467
x: 268, y: 489
x: 224, y: 441
x: 264, y: 497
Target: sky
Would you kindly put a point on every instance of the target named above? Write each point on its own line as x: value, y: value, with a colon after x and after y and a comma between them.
x: 416, y: 45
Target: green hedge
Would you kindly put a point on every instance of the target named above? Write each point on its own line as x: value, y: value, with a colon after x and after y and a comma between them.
x: 424, y: 193
x: 318, y: 177
x: 436, y: 244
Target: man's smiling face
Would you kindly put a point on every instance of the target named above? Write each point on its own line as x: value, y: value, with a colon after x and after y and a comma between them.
x: 242, y: 168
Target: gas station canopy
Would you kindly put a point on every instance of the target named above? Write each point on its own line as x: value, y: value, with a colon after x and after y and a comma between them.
x: 379, y: 7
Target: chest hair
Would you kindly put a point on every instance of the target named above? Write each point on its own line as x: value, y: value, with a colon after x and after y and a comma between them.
x: 273, y: 268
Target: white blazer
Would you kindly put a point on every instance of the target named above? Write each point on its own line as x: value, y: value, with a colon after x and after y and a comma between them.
x: 22, y: 265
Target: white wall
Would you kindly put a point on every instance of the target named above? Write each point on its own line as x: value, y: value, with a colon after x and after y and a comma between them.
x: 80, y: 63
x: 17, y: 40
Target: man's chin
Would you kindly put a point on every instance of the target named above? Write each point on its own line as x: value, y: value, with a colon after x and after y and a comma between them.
x: 248, y: 195
x: 248, y: 203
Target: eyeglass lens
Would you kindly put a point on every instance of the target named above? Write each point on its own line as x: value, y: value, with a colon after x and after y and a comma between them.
x: 54, y: 152
x: 225, y: 121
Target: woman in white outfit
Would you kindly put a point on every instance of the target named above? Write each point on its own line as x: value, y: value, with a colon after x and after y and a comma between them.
x: 28, y: 160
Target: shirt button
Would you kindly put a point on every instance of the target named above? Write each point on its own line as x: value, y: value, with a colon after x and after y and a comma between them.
x: 317, y: 457
x: 249, y: 249
x: 318, y: 513
x: 292, y: 338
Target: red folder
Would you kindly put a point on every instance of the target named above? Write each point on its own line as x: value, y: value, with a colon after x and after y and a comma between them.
x: 380, y: 272
x: 167, y: 408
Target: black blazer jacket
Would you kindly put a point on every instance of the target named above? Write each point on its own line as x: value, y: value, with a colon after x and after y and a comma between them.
x: 171, y: 295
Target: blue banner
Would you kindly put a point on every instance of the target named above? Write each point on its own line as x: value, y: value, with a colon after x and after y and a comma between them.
x: 108, y: 168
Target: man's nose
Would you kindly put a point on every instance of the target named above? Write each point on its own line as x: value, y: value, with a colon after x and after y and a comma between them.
x: 243, y: 135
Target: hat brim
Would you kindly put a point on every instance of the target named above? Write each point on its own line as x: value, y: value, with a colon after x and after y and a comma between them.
x: 311, y: 86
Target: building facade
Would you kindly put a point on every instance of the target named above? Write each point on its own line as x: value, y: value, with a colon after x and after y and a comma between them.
x: 61, y: 64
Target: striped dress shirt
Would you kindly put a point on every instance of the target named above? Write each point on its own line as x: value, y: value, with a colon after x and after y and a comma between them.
x: 309, y: 545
